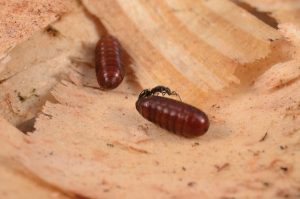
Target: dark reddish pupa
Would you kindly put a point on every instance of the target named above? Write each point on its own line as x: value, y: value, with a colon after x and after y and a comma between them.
x: 108, y: 62
x: 172, y: 115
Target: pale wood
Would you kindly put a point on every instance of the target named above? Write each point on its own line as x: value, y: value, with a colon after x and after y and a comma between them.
x: 94, y: 144
x: 95, y: 141
x: 287, y: 11
x: 15, y: 186
x: 14, y: 179
x: 19, y: 19
x: 175, y: 39
x: 32, y: 68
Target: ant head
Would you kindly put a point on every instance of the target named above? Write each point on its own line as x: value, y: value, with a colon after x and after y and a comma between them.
x: 145, y: 93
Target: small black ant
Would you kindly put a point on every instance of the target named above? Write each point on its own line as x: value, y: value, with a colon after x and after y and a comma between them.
x: 173, y: 115
x: 156, y: 90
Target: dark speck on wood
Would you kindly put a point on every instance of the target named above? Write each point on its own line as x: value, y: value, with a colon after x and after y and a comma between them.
x: 191, y: 184
x: 264, y: 137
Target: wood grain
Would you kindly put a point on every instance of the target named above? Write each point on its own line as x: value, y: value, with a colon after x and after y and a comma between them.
x: 20, y: 19
x: 194, y: 43
x: 90, y: 143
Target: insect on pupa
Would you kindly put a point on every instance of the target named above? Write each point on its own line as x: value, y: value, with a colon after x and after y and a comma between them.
x: 172, y: 115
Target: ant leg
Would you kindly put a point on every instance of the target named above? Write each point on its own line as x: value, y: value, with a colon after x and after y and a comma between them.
x: 174, y: 93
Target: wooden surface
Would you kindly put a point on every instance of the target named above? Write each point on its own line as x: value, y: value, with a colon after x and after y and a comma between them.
x: 20, y: 19
x: 82, y: 142
x: 176, y: 35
